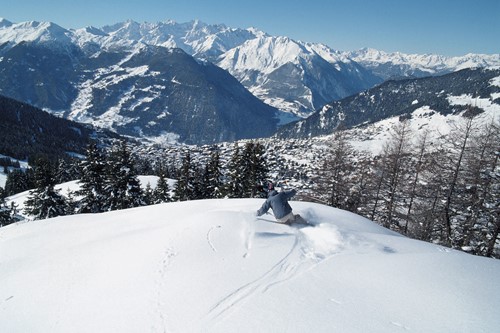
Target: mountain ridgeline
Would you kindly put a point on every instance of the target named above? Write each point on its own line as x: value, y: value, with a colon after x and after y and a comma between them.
x: 193, y: 82
x: 150, y: 92
x: 400, y: 98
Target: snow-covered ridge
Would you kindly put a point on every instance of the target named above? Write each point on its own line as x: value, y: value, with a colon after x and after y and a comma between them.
x: 205, y: 266
x: 200, y: 38
x: 431, y: 63
x: 256, y: 59
x: 195, y: 37
x: 43, y: 32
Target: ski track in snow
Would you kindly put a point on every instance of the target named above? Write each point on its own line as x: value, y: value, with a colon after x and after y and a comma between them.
x: 247, y: 234
x: 400, y: 325
x: 209, y: 239
x: 260, y: 284
x: 312, y: 245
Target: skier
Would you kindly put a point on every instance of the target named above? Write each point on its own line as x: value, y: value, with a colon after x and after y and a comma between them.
x: 278, y: 202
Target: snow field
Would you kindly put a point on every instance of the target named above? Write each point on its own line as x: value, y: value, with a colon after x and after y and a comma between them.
x: 212, y: 266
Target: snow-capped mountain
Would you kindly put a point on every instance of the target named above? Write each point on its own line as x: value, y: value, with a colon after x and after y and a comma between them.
x: 315, y: 74
x: 39, y: 32
x: 88, y: 75
x: 195, y: 38
x: 400, y: 65
x: 139, y: 89
x: 295, y: 76
x: 468, y: 90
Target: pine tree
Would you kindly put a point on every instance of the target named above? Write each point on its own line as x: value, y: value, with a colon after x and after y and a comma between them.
x: 65, y: 171
x: 246, y: 171
x: 198, y: 183
x: 235, y: 181
x: 92, y: 182
x: 5, y: 211
x: 148, y: 195
x: 214, y: 178
x: 162, y: 191
x: 19, y: 181
x: 185, y: 186
x: 258, y: 169
x: 122, y: 185
x: 45, y: 201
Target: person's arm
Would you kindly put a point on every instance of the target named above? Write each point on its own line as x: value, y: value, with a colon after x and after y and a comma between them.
x: 290, y: 194
x: 265, y: 207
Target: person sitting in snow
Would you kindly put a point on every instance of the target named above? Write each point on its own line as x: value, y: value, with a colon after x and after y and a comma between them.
x: 278, y: 202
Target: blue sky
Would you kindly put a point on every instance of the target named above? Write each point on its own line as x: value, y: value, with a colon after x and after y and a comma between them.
x: 448, y: 27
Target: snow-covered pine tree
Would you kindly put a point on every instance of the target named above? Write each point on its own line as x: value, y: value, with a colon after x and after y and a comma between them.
x: 8, y: 212
x: 92, y: 181
x: 199, y: 190
x: 122, y: 185
x: 5, y: 211
x: 184, y: 188
x: 247, y: 170
x: 203, y: 183
x: 148, y: 195
x: 19, y: 181
x: 162, y: 191
x: 215, y: 176
x: 235, y: 176
x: 3, y: 194
x: 66, y: 171
x: 258, y: 168
x: 45, y: 201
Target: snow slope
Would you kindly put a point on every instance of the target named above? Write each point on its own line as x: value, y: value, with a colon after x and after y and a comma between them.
x: 212, y: 266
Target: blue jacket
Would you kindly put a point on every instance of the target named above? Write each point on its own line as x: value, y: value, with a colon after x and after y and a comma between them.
x: 278, y: 202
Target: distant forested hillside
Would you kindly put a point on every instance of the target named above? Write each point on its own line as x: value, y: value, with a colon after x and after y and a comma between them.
x: 27, y: 132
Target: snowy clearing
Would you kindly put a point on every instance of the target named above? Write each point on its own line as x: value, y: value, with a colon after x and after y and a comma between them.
x: 212, y: 266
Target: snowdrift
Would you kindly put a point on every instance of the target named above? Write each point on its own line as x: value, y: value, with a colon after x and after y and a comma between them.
x: 212, y: 266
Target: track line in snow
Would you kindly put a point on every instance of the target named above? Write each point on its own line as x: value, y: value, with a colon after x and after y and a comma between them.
x: 248, y: 233
x: 400, y: 325
x: 261, y: 284
x: 309, y: 249
x: 209, y: 239
x: 165, y: 262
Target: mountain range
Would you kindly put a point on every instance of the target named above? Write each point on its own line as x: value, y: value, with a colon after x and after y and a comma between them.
x: 180, y: 80
x: 465, y: 92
